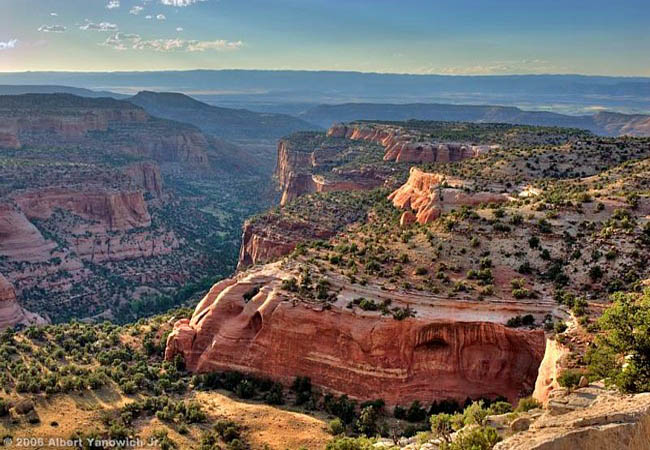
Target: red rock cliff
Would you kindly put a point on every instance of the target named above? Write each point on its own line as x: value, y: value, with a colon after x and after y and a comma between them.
x: 427, y: 194
x: 10, y: 311
x: 146, y: 175
x: 116, y: 209
x: 403, y: 145
x: 364, y: 355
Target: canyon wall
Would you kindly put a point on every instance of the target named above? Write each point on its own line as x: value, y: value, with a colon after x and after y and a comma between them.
x: 10, y: 311
x: 51, y: 120
x: 403, y: 145
x: 365, y: 355
x: 146, y: 175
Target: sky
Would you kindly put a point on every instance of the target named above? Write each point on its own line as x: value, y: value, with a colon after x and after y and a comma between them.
x: 593, y: 37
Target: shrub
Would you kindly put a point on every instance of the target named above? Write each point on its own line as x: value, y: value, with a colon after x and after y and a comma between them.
x: 367, y: 421
x: 622, y: 354
x: 416, y: 413
x: 336, y: 426
x: 481, y: 438
x: 526, y: 404
x: 475, y: 413
x: 4, y: 407
x: 442, y: 426
x: 348, y: 443
x: 569, y: 378
x: 499, y: 408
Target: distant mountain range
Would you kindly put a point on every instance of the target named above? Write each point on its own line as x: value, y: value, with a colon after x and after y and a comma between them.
x: 226, y: 123
x: 258, y: 89
x: 242, y: 125
x: 8, y: 89
x: 603, y: 123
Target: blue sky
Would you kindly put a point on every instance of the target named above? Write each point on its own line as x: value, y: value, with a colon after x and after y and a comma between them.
x: 406, y: 36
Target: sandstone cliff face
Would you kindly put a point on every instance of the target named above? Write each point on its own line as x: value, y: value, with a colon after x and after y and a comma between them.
x: 117, y: 210
x: 267, y: 241
x: 436, y: 355
x: 404, y: 146
x: 427, y: 194
x: 146, y: 175
x: 296, y: 163
x: 10, y: 311
x: 20, y: 239
x: 110, y: 125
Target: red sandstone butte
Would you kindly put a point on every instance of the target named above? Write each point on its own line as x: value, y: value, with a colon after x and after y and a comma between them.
x: 428, y: 193
x: 448, y: 350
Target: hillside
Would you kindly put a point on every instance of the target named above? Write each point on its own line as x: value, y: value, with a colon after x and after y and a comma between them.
x: 19, y: 89
x: 602, y: 123
x: 226, y: 123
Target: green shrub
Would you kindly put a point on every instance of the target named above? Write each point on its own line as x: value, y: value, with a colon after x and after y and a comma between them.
x: 526, y: 404
x: 569, y: 378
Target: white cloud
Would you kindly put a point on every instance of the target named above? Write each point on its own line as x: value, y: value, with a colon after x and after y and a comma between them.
x: 497, y: 67
x: 54, y: 14
x: 161, y: 17
x: 52, y: 28
x: 179, y: 29
x: 180, y: 3
x: 123, y: 41
x: 102, y: 26
x: 6, y: 45
x: 148, y: 17
x: 136, y: 10
x: 200, y: 46
x: 112, y: 4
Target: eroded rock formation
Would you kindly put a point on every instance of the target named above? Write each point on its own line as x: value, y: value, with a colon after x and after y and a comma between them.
x: 403, y: 145
x: 117, y: 210
x: 590, y: 418
x: 146, y: 175
x: 427, y: 194
x: 296, y: 163
x: 10, y: 311
x: 445, y: 351
x: 39, y: 120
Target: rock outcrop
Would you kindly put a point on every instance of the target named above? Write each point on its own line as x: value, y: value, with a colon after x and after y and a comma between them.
x: 297, y: 162
x: 146, y: 175
x: 427, y: 194
x: 10, y: 311
x: 590, y: 418
x: 445, y: 351
x: 20, y: 240
x: 403, y: 145
x: 116, y: 210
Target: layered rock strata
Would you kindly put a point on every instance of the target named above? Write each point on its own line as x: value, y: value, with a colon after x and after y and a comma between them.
x: 403, y: 145
x: 448, y: 350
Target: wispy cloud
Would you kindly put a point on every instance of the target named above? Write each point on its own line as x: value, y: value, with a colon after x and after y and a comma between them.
x: 102, y: 26
x: 136, y: 10
x: 112, y: 4
x: 180, y: 3
x: 6, y: 45
x: 179, y: 29
x: 53, y: 14
x: 52, y: 28
x: 161, y: 17
x: 497, y: 67
x: 123, y: 41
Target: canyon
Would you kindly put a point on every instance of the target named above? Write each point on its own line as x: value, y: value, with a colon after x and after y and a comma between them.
x: 102, y: 204
x: 11, y: 314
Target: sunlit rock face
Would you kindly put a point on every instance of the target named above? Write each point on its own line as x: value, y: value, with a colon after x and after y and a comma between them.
x: 10, y: 311
x: 404, y: 146
x: 427, y: 194
x: 442, y: 352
